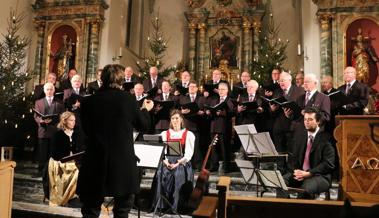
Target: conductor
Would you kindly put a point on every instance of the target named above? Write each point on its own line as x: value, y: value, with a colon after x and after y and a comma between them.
x: 109, y: 166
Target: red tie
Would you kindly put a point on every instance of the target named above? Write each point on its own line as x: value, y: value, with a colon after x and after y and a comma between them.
x: 306, y: 164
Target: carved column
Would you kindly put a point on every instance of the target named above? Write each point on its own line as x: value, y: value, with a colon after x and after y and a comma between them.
x: 40, y: 26
x: 257, y: 29
x: 93, y: 49
x: 192, y: 50
x: 326, y: 44
x: 201, y: 55
x: 246, y: 57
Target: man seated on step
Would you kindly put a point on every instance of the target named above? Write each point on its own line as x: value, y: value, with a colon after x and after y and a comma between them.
x: 312, y: 162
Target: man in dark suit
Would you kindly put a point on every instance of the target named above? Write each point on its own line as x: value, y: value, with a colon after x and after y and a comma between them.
x: 282, y: 129
x: 221, y: 124
x: 162, y: 115
x: 312, y: 162
x: 66, y: 83
x: 216, y: 79
x: 72, y: 96
x: 109, y: 166
x: 249, y: 117
x: 356, y: 92
x: 154, y: 80
x: 192, y: 120
x: 46, y: 129
x: 38, y: 90
x: 245, y: 77
x: 130, y: 76
x: 314, y: 98
x: 184, y: 81
x: 138, y: 94
x: 327, y: 85
x: 95, y: 85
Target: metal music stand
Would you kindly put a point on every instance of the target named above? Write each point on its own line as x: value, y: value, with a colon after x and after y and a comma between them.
x: 265, y: 178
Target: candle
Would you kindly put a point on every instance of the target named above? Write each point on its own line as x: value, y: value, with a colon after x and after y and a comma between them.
x: 120, y: 52
x: 298, y: 49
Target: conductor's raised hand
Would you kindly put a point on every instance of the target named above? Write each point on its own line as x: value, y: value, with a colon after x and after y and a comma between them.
x: 148, y: 104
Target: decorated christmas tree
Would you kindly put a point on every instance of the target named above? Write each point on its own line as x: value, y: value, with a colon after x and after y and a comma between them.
x: 158, y: 46
x: 14, y: 105
x: 271, y: 51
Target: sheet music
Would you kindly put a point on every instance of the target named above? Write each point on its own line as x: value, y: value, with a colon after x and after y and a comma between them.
x: 264, y: 143
x: 149, y: 155
x: 135, y: 135
x: 244, y: 133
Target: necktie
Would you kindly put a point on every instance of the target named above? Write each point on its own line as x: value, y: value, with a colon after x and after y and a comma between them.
x: 307, y: 97
x: 222, y: 99
x: 165, y: 97
x: 77, y: 91
x: 251, y: 97
x: 154, y: 83
x: 347, y: 88
x: 127, y: 79
x: 49, y: 101
x: 192, y: 98
x: 244, y: 85
x: 306, y: 164
x: 184, y: 85
x: 285, y: 92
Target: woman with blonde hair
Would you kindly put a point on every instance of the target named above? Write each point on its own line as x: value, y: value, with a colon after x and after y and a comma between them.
x: 63, y: 176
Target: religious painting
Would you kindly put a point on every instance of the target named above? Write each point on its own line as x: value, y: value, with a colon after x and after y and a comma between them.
x: 62, y: 51
x: 362, y: 47
x: 224, y: 46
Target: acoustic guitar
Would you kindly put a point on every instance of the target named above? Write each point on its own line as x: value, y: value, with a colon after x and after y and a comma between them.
x: 202, y: 179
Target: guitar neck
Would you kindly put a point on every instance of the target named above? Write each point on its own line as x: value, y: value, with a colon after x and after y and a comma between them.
x: 209, y: 152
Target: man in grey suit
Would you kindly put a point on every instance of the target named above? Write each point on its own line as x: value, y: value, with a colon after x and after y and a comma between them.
x: 46, y: 128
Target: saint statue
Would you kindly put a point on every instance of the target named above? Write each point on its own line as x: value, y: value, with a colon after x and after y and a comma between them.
x: 63, y: 58
x: 363, y: 53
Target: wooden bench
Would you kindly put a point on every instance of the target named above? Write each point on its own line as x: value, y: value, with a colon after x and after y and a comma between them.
x: 242, y: 206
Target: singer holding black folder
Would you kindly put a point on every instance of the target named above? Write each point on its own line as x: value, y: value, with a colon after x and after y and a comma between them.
x: 63, y: 177
x: 109, y: 166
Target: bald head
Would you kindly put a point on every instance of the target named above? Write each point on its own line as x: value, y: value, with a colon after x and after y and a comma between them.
x: 252, y: 86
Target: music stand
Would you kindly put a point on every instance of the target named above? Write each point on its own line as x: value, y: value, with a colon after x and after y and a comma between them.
x: 244, y: 132
x: 152, y: 137
x: 265, y: 178
x: 172, y: 149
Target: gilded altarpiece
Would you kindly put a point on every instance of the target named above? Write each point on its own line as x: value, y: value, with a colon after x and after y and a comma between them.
x: 222, y: 34
x: 345, y: 26
x: 68, y: 36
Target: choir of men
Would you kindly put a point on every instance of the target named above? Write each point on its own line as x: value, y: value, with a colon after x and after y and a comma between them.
x: 209, y: 113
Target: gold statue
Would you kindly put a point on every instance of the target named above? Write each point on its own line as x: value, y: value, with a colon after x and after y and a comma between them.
x: 62, y: 58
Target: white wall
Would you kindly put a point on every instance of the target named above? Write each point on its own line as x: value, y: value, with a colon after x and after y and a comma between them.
x: 311, y: 36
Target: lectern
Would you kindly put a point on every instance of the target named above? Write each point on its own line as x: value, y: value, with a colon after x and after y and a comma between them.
x: 359, y: 156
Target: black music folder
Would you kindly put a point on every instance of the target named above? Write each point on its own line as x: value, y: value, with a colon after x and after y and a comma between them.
x: 166, y: 105
x: 128, y: 86
x: 192, y: 106
x: 250, y: 105
x: 46, y: 116
x: 209, y: 87
x: 59, y: 95
x: 291, y: 105
x: 339, y: 98
x: 278, y: 100
x: 217, y: 107
x: 239, y: 90
x: 75, y: 156
x: 182, y: 90
x: 152, y: 92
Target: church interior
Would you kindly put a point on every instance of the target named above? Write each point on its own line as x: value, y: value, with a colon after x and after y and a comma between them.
x: 285, y: 94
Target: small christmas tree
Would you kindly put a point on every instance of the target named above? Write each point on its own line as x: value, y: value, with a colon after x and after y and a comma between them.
x: 158, y: 46
x: 271, y: 52
x: 14, y: 105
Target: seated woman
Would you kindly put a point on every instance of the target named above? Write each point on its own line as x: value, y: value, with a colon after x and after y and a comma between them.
x: 63, y: 176
x: 176, y: 170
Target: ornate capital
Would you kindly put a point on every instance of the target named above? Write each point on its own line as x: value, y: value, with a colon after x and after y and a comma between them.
x: 257, y: 25
x: 246, y: 25
x: 325, y: 19
x: 39, y: 25
x: 192, y: 26
x: 202, y: 26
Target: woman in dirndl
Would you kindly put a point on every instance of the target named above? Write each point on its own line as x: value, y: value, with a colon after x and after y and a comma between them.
x: 175, y: 170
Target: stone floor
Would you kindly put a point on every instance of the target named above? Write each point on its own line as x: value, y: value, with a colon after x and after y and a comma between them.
x: 28, y: 194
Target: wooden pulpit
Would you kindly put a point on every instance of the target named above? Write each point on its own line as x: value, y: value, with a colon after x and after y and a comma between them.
x: 358, y: 150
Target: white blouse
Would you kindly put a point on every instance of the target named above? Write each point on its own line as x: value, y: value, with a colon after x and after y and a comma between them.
x: 190, y: 142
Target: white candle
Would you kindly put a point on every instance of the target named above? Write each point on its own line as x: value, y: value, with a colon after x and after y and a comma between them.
x: 120, y: 51
x: 298, y: 49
